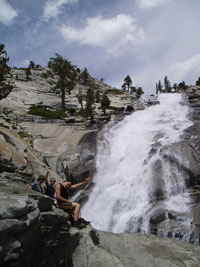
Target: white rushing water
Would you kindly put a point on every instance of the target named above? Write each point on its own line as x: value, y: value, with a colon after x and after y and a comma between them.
x: 127, y: 175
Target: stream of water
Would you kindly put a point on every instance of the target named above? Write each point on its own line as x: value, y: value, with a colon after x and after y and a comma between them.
x: 133, y: 181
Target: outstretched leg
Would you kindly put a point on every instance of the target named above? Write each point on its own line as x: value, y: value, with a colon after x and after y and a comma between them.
x: 76, y: 213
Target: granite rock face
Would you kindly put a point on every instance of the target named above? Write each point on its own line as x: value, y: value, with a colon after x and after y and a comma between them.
x: 19, y: 228
x: 16, y: 155
x: 74, y: 165
x: 33, y: 232
x: 96, y: 248
x: 11, y: 151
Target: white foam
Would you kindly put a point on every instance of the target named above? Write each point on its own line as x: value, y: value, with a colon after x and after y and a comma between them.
x: 123, y: 180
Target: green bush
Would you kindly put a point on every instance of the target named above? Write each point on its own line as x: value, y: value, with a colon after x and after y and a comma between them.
x: 43, y: 111
x: 115, y: 108
x: 44, y: 75
x: 23, y: 134
x: 115, y: 91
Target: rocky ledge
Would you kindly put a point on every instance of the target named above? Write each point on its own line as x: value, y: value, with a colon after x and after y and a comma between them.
x: 33, y: 233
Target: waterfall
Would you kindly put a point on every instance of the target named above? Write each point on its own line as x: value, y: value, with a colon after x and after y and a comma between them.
x: 133, y: 179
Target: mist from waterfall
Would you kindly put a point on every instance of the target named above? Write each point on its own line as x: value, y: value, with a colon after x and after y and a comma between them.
x: 131, y: 171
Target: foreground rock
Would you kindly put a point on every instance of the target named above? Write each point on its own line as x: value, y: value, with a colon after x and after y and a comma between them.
x: 31, y: 228
x: 96, y: 248
x: 34, y: 233
x: 41, y: 239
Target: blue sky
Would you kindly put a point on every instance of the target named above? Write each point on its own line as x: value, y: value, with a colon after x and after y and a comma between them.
x: 144, y: 38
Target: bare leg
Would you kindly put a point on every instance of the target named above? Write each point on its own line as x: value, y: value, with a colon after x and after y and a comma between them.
x: 76, y: 213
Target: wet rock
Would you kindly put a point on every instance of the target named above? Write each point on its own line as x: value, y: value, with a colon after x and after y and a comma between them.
x: 75, y: 166
x: 55, y: 217
x: 158, y: 216
x: 158, y: 191
x: 11, y: 225
x: 88, y: 145
x: 11, y: 151
x: 184, y: 156
x: 44, y: 202
x: 196, y: 216
x: 14, y: 206
x: 127, y: 250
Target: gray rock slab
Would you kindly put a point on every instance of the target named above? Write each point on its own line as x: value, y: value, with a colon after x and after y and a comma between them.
x: 11, y: 225
x: 53, y: 218
x: 44, y: 202
x: 14, y: 206
x: 103, y: 249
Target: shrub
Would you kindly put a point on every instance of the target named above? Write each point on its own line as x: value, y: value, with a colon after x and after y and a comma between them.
x: 23, y: 134
x: 43, y: 111
x: 114, y: 91
x: 44, y: 75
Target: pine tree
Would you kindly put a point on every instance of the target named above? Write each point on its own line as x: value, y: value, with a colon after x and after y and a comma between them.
x: 80, y: 99
x: 90, y: 99
x: 78, y: 70
x: 4, y: 69
x: 167, y: 85
x: 124, y: 87
x: 198, y: 82
x: 5, y: 86
x: 157, y: 91
x: 72, y: 82
x: 139, y: 92
x: 97, y: 96
x: 182, y: 86
x: 105, y: 103
x: 128, y: 81
x: 160, y: 87
x: 133, y: 89
x: 175, y: 87
x: 28, y: 74
x: 84, y: 76
x: 66, y: 73
x: 31, y: 65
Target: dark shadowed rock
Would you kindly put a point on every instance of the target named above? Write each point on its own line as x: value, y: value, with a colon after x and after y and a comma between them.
x: 44, y: 202
x: 76, y: 166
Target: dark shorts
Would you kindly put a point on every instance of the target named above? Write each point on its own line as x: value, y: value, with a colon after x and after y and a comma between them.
x: 65, y: 206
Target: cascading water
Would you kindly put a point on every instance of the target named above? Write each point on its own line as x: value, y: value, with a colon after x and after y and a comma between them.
x: 133, y: 180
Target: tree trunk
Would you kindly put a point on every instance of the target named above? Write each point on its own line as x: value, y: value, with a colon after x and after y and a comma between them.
x: 63, y: 99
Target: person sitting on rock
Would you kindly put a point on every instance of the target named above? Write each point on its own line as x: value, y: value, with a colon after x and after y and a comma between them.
x: 62, y: 191
x: 50, y: 188
x: 49, y: 185
x: 39, y: 185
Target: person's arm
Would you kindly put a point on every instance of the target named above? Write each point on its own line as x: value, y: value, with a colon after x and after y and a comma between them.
x: 58, y: 195
x: 46, y: 177
x: 86, y: 181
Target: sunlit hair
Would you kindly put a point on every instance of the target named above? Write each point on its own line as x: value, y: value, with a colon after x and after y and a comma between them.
x: 67, y: 184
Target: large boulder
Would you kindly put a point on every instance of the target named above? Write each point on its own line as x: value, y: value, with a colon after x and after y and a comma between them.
x: 75, y: 166
x: 17, y: 156
x: 11, y: 151
x: 95, y: 248
x: 32, y: 231
x: 19, y: 228
x: 185, y: 155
